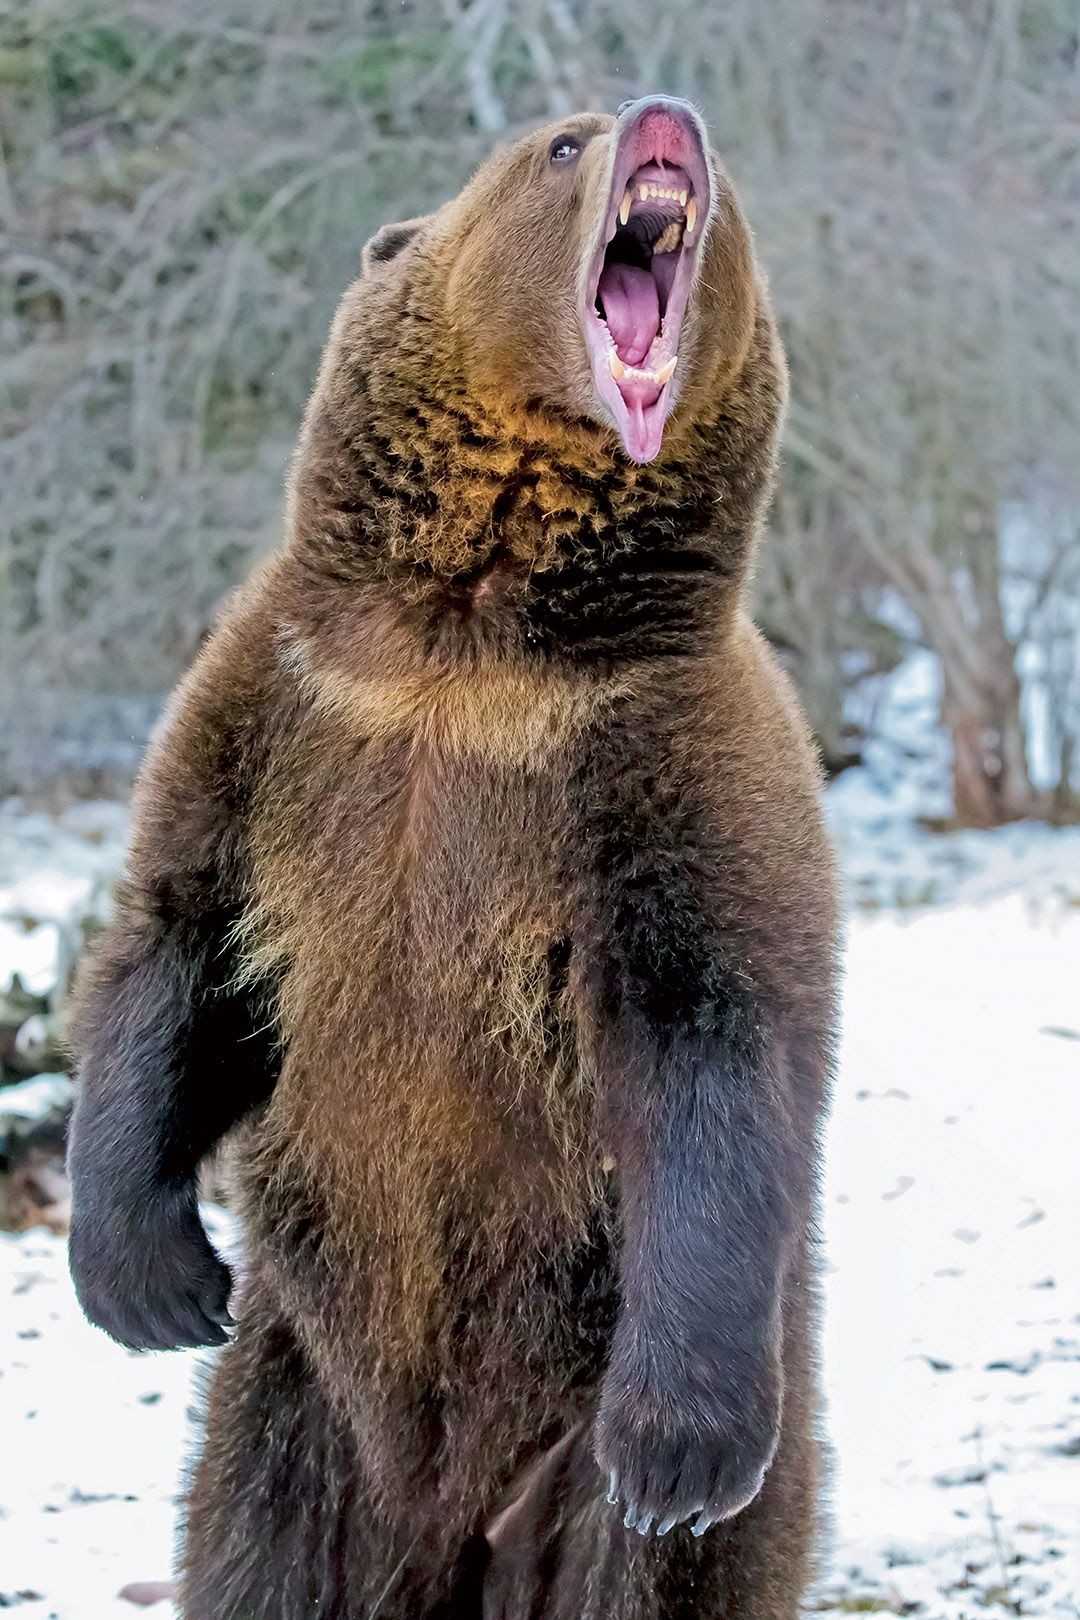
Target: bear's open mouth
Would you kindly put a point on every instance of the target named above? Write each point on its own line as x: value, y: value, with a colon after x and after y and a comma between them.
x: 641, y: 272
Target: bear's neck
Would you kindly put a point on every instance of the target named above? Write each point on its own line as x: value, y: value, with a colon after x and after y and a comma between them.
x: 530, y: 535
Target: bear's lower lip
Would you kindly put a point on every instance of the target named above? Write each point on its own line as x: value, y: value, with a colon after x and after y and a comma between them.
x: 640, y: 272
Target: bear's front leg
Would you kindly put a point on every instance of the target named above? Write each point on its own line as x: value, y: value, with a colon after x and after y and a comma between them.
x: 168, y: 1061
x: 690, y: 1407
x: 712, y: 1177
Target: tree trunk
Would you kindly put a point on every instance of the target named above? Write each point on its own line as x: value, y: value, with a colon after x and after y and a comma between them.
x: 981, y: 693
x: 991, y: 782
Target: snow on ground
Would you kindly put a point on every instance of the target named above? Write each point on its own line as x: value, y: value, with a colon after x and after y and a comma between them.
x: 52, y: 868
x: 892, y: 862
x: 94, y: 1439
x: 951, y: 1220
x: 952, y: 1227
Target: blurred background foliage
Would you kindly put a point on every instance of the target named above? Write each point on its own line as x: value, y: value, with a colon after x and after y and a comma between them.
x: 184, y: 192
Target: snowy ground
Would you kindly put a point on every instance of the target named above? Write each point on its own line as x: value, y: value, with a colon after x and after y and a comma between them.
x: 952, y: 1224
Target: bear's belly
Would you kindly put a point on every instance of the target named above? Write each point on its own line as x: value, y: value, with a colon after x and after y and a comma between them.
x: 433, y: 1123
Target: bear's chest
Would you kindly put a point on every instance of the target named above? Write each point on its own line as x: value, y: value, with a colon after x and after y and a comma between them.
x: 415, y: 906
x: 414, y: 884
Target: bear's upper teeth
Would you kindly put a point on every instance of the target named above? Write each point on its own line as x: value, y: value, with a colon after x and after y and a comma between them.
x: 647, y: 188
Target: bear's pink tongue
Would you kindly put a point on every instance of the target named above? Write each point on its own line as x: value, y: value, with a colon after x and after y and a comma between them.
x: 631, y: 303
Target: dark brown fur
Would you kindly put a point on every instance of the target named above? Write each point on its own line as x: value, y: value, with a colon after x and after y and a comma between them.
x: 478, y: 879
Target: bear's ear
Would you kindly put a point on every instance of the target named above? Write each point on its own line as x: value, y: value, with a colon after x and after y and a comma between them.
x: 388, y: 242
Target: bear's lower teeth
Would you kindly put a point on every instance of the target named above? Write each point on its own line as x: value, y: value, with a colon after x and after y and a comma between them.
x: 620, y: 370
x: 669, y: 239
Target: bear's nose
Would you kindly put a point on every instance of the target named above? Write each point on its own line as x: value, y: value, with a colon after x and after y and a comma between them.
x: 672, y: 104
x: 661, y: 129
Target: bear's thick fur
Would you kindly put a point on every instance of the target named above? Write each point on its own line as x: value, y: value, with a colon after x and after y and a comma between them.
x: 478, y: 888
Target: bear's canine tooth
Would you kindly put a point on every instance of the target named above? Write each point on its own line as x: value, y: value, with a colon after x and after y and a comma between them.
x: 691, y: 216
x: 667, y: 370
x: 625, y: 206
x: 617, y: 368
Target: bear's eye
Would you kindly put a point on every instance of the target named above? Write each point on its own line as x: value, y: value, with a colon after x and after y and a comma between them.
x: 564, y: 148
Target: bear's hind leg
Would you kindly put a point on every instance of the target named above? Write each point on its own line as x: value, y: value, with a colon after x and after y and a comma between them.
x: 277, y: 1526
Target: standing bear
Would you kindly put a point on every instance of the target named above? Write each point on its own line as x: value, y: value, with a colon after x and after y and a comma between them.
x: 478, y: 892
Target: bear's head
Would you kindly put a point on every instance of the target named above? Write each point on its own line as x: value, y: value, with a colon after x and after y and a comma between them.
x: 598, y: 271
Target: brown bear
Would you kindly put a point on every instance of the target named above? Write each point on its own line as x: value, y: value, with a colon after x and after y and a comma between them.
x: 478, y: 889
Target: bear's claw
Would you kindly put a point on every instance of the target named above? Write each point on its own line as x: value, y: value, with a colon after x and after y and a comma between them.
x: 659, y: 1498
x: 152, y: 1283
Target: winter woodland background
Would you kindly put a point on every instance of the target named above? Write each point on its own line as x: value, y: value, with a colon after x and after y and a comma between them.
x: 183, y: 195
x: 184, y: 191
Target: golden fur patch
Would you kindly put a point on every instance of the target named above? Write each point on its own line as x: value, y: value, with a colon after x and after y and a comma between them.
x: 503, y: 713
